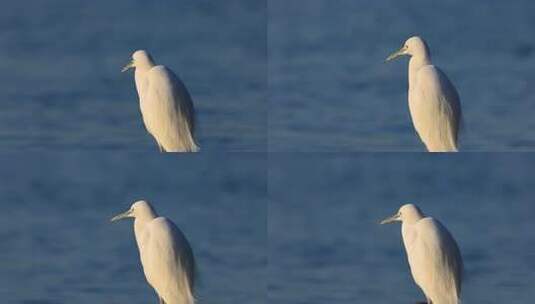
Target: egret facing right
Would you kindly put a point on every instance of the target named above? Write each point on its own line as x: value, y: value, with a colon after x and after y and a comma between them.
x: 165, y: 254
x: 165, y: 104
x: 434, y: 103
x: 434, y: 257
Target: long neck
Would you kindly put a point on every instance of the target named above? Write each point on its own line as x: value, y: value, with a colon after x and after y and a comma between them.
x: 410, y: 219
x: 139, y: 226
x: 407, y: 234
x: 415, y: 63
x: 141, y: 79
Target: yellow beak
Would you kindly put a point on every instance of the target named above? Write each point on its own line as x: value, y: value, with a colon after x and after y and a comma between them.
x: 128, y: 66
x: 397, y: 53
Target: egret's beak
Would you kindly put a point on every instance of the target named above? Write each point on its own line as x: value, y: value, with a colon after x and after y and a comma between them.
x: 393, y: 218
x: 402, y: 51
x: 122, y: 216
x: 128, y: 66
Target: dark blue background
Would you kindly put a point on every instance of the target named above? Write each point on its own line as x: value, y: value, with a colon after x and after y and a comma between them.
x: 326, y: 244
x: 61, y: 83
x: 330, y: 89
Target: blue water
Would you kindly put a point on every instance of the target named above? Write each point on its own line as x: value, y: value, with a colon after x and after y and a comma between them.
x: 302, y: 227
x: 330, y: 89
x: 326, y: 245
x: 58, y: 245
x: 322, y: 243
x: 62, y: 86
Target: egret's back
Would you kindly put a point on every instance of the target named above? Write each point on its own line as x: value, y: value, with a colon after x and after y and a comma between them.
x: 168, y: 111
x: 168, y: 262
x: 435, y: 109
x: 435, y: 261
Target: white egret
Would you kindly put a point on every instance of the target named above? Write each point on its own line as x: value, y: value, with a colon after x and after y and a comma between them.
x: 434, y: 257
x: 165, y: 254
x: 433, y: 100
x: 165, y: 104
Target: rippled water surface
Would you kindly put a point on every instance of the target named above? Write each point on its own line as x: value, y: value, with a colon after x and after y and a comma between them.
x: 326, y: 245
x: 61, y: 86
x: 58, y: 245
x: 330, y: 89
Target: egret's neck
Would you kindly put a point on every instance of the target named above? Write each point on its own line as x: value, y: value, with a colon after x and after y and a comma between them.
x: 407, y: 234
x: 140, y: 223
x: 141, y: 79
x: 415, y: 63
x: 407, y: 226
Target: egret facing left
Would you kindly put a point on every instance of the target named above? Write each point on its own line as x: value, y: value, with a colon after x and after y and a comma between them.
x: 165, y: 254
x: 434, y: 257
x: 165, y: 104
x: 434, y: 103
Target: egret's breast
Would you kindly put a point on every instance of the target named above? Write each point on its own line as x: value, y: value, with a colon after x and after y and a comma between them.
x: 141, y: 83
x: 415, y: 101
x: 421, y: 108
x: 147, y: 254
x: 409, y: 236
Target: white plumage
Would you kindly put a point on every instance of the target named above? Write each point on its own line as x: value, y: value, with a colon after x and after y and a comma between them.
x: 434, y: 103
x: 166, y: 106
x: 434, y: 257
x: 165, y: 254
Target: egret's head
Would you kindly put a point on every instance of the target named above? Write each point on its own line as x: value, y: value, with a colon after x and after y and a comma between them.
x: 140, y: 59
x: 138, y: 209
x: 412, y: 47
x: 407, y: 213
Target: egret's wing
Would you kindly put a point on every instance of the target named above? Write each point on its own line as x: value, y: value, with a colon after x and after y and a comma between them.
x: 436, y: 109
x: 436, y: 262
x: 168, y: 111
x: 168, y: 261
